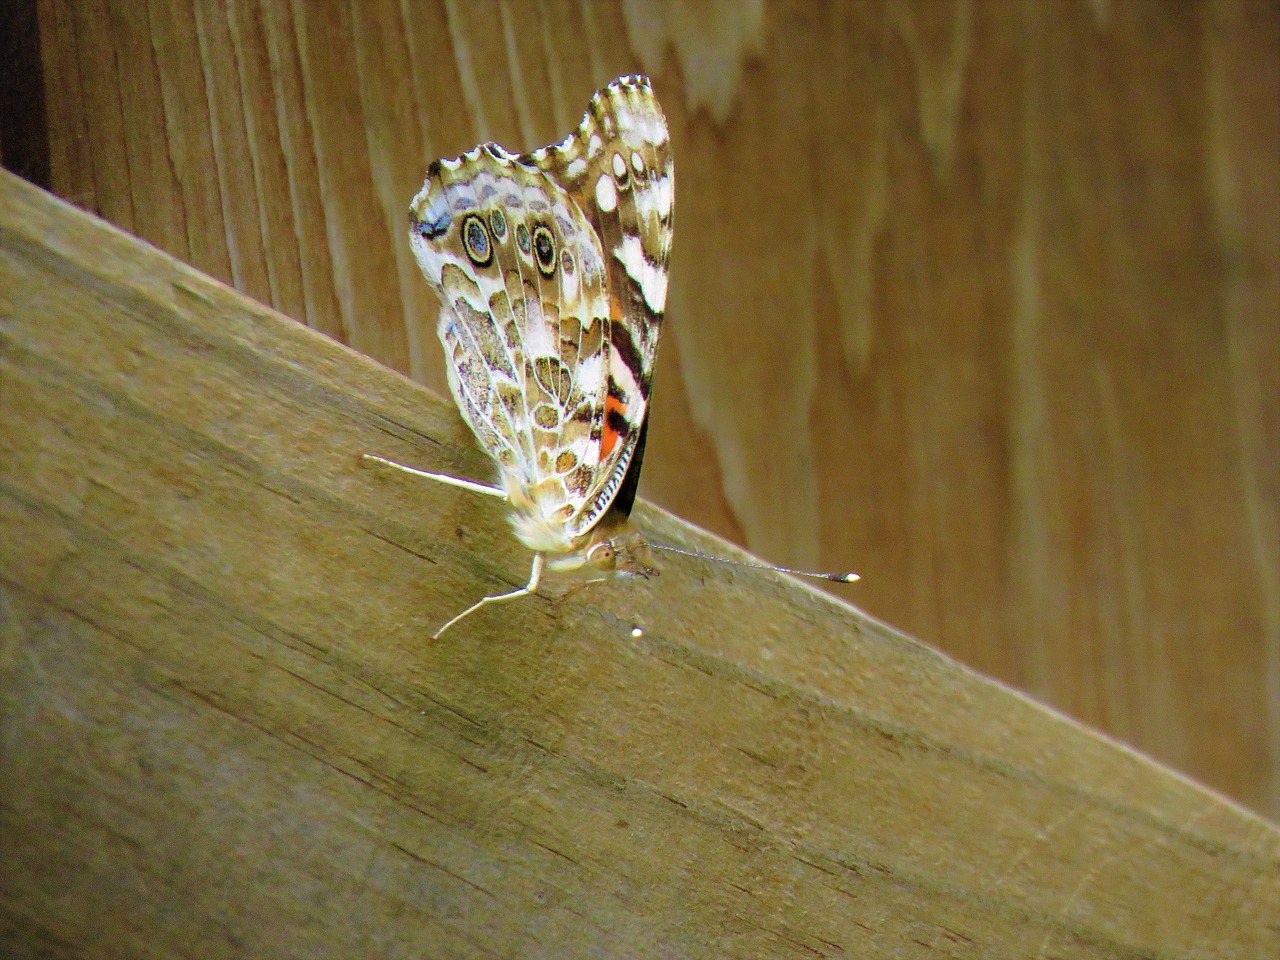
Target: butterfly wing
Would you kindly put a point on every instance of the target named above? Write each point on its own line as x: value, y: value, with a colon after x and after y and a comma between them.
x: 617, y: 166
x: 551, y: 270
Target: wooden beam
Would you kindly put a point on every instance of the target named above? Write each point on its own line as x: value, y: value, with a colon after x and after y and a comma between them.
x: 226, y: 732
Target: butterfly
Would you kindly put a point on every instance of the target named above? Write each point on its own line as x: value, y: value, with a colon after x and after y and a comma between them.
x: 551, y: 269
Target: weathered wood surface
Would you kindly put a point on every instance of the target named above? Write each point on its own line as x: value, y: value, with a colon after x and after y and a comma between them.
x: 226, y: 734
x: 978, y: 299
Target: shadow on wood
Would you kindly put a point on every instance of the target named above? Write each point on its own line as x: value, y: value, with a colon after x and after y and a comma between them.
x: 226, y: 733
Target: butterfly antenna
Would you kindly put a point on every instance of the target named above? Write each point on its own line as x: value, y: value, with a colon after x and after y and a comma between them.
x: 833, y: 577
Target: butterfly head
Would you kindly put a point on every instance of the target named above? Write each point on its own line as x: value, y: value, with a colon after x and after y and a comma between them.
x: 613, y: 550
x: 621, y: 552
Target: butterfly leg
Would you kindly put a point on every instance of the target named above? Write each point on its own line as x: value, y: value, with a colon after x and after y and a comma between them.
x: 535, y: 575
x: 442, y: 477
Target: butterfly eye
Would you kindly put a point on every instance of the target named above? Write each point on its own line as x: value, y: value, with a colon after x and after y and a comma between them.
x: 476, y: 241
x: 498, y: 224
x: 544, y: 247
x: 602, y: 556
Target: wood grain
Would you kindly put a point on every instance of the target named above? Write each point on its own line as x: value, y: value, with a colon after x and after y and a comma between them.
x: 227, y: 735
x: 978, y: 299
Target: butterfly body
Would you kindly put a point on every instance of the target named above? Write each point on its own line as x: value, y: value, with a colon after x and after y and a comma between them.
x: 551, y: 268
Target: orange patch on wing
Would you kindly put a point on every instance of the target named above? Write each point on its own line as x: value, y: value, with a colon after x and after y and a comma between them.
x: 609, y: 439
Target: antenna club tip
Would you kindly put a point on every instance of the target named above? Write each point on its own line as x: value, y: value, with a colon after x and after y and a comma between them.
x: 846, y: 578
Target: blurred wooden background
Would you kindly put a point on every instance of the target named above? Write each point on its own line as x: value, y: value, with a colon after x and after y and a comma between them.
x: 979, y: 299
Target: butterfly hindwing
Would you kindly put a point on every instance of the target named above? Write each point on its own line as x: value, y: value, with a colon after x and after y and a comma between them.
x: 522, y: 296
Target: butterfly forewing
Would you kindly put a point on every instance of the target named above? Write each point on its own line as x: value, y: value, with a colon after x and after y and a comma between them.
x: 551, y: 268
x: 618, y: 168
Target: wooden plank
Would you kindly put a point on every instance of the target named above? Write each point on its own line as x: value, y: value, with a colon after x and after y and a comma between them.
x: 227, y: 734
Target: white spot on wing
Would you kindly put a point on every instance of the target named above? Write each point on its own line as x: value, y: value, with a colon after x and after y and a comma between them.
x: 647, y: 203
x: 570, y: 285
x: 589, y: 370
x: 652, y: 279
x: 625, y: 378
x: 606, y: 194
x: 664, y: 196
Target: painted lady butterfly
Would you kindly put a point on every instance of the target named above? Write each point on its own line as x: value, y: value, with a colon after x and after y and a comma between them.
x: 551, y: 268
